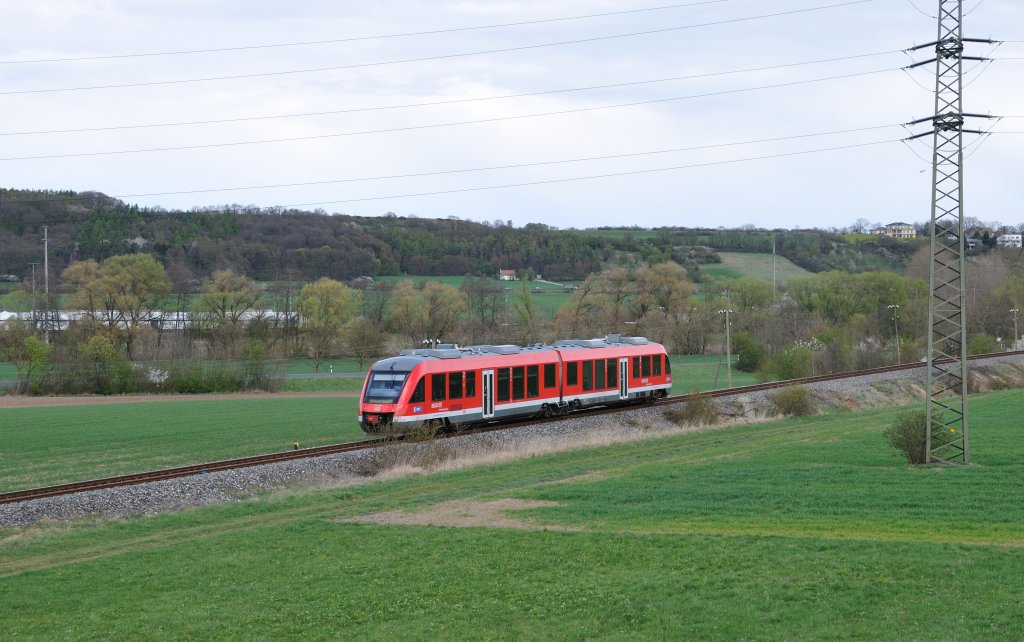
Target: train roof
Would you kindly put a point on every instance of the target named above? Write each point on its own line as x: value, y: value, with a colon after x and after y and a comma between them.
x: 407, y: 359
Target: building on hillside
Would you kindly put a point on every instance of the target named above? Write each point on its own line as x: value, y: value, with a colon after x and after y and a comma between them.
x: 1008, y: 240
x: 506, y: 275
x: 901, y: 231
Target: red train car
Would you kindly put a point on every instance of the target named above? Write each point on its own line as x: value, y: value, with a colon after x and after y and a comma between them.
x: 481, y: 384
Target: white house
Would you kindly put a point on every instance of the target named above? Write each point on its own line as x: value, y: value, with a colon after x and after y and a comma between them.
x: 506, y: 275
x: 1008, y: 240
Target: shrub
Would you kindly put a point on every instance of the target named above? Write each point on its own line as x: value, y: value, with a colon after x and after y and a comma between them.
x: 908, y: 434
x: 793, y: 363
x: 750, y: 354
x: 700, y: 410
x: 794, y: 401
x: 982, y: 343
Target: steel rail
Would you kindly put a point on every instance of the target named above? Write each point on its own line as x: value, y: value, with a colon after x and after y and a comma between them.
x: 318, y: 451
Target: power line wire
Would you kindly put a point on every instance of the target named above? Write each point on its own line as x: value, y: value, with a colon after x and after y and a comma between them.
x: 440, y: 125
x: 596, y: 176
x: 359, y: 38
x: 430, y: 58
x: 447, y: 102
x: 500, y: 167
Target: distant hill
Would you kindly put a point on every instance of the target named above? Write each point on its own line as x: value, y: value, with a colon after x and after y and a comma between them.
x: 278, y: 244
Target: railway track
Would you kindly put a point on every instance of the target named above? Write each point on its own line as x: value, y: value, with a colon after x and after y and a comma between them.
x: 317, y: 451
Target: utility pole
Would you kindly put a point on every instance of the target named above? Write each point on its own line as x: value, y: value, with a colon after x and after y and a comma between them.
x: 728, y: 347
x: 896, y: 326
x: 34, y: 302
x: 46, y: 282
x: 1016, y: 337
x: 774, y: 288
x: 946, y: 407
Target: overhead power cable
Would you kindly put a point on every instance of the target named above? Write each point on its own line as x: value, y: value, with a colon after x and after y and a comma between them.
x: 515, y: 166
x: 596, y: 176
x: 306, y: 43
x: 440, y: 125
x: 447, y: 102
x: 430, y: 58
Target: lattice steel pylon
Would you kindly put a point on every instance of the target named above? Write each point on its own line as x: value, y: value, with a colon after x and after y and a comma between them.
x: 947, y: 376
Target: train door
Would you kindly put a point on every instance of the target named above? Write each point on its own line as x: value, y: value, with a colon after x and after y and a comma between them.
x: 487, y: 392
x: 623, y: 378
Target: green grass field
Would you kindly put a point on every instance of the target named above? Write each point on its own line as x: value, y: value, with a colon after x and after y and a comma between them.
x: 44, y: 446
x: 809, y: 529
x: 737, y: 265
x: 51, y: 445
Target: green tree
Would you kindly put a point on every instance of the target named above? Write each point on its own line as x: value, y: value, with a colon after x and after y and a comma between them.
x: 119, y: 295
x: 325, y: 307
x: 223, y: 305
x: 750, y: 354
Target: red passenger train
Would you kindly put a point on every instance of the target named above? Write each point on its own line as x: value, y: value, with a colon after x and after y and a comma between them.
x: 480, y: 384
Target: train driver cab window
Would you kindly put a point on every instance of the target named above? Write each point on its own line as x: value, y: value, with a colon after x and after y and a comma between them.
x: 517, y: 383
x: 656, y: 365
x: 532, y: 381
x: 503, y: 387
x: 668, y: 365
x: 437, y: 387
x: 588, y: 375
x: 470, y: 383
x: 419, y: 394
x: 636, y: 367
x: 599, y: 374
x: 570, y: 373
x: 549, y: 375
x: 385, y: 387
x: 645, y: 363
x: 455, y: 385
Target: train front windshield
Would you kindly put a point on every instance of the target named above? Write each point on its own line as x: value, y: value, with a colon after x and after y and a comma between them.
x: 385, y: 387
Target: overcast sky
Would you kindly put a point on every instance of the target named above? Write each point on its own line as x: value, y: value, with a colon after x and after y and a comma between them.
x: 661, y: 179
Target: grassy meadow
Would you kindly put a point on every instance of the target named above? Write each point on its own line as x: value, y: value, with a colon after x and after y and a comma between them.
x: 808, y: 529
x: 737, y: 265
x: 58, y: 444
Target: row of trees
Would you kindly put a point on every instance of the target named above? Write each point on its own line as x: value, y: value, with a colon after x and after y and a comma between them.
x: 825, y: 323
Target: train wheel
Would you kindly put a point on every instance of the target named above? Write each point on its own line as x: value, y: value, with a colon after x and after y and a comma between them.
x: 547, y: 411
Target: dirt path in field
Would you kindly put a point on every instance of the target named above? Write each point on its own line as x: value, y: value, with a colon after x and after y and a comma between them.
x: 465, y: 513
x: 12, y: 401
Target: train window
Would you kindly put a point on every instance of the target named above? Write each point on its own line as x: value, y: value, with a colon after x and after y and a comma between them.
x: 656, y: 365
x: 613, y: 377
x: 503, y: 384
x: 532, y: 381
x: 570, y: 373
x: 599, y: 374
x: 470, y: 384
x: 668, y: 365
x: 549, y: 375
x: 636, y: 367
x: 437, y: 387
x: 645, y: 364
x: 419, y: 394
x: 455, y: 385
x: 385, y: 387
x: 517, y: 383
x: 588, y: 375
